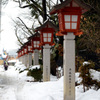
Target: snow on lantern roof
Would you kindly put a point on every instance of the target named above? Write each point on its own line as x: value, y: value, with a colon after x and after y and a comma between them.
x: 80, y: 3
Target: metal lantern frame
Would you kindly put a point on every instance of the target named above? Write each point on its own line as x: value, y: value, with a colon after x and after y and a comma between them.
x: 69, y: 15
x: 19, y: 53
x: 35, y: 41
x: 46, y: 33
x: 46, y: 36
x: 25, y: 49
x: 22, y: 50
x: 29, y: 47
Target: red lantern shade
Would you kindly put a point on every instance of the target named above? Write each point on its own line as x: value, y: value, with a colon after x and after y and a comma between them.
x: 29, y: 47
x: 19, y: 53
x: 22, y: 51
x: 25, y: 50
x: 35, y: 41
x: 47, y: 36
x: 46, y: 33
x: 69, y: 14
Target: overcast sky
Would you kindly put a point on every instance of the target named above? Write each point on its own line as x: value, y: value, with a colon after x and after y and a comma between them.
x: 8, y: 39
x: 12, y: 11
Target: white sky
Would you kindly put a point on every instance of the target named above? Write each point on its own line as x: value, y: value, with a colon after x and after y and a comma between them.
x: 12, y: 11
x: 8, y: 39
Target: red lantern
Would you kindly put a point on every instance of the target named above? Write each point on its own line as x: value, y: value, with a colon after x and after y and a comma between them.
x: 35, y: 41
x: 25, y: 48
x: 46, y: 33
x: 22, y: 50
x: 19, y: 53
x: 29, y: 47
x: 69, y: 14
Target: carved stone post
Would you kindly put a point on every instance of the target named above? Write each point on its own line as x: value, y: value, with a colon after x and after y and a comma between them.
x: 46, y: 62
x: 69, y: 67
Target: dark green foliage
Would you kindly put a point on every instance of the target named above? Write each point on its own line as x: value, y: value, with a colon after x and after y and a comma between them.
x: 88, y: 43
x: 53, y: 66
x: 78, y: 62
x: 40, y: 62
x: 58, y: 50
x: 36, y: 73
x: 32, y: 62
x: 85, y: 74
x: 96, y: 84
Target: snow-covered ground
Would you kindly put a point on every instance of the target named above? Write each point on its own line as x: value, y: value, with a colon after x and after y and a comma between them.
x: 14, y: 86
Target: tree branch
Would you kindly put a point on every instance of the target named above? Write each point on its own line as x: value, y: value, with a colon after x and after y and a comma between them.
x: 18, y: 37
x: 25, y: 26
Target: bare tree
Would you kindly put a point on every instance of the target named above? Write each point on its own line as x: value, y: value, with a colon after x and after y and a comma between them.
x: 22, y: 31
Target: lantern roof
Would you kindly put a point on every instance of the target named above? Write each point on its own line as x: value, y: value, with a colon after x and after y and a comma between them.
x: 23, y: 46
x: 34, y: 35
x: 18, y: 50
x: 49, y: 23
x: 80, y: 3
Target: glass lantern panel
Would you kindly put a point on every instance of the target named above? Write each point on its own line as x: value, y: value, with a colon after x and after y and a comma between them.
x: 67, y: 17
x: 37, y: 45
x: 74, y: 17
x: 67, y: 25
x: 28, y: 49
x: 74, y: 25
x: 49, y: 39
x: 44, y: 34
x: 34, y: 45
x: 45, y: 39
x: 34, y: 42
x: 49, y: 34
x: 38, y: 42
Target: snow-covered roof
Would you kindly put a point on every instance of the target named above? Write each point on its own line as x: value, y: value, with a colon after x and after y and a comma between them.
x: 14, y: 60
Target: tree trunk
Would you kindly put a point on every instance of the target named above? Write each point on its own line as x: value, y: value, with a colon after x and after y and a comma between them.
x: 44, y: 10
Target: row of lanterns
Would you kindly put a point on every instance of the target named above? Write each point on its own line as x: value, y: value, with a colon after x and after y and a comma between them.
x: 69, y: 14
x: 43, y: 35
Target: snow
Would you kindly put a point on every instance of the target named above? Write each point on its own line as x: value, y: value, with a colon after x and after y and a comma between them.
x: 77, y: 78
x: 95, y: 74
x: 85, y: 63
x: 11, y: 61
x: 34, y: 67
x: 14, y: 86
x: 4, y: 56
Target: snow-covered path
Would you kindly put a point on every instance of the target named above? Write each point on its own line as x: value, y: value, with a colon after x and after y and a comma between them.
x: 14, y: 86
x: 10, y: 84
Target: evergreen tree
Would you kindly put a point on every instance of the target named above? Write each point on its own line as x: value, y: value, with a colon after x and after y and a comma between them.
x: 84, y: 70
